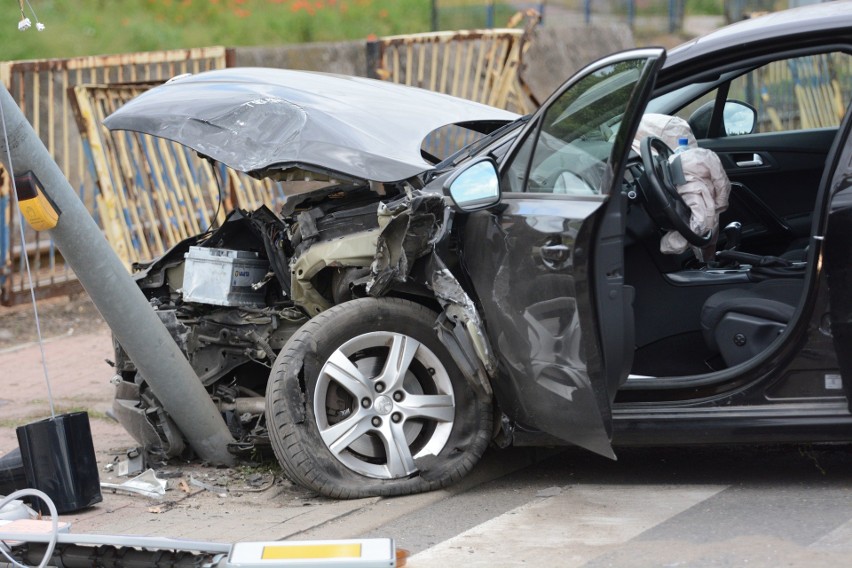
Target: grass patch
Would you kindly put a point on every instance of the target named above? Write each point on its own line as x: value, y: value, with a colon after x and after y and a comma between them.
x: 467, y: 17
x: 60, y: 409
x: 95, y: 27
x: 705, y: 8
x: 118, y: 26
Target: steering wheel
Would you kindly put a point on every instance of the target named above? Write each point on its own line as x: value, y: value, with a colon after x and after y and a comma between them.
x: 662, y: 201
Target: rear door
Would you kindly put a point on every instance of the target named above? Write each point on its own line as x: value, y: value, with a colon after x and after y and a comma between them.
x: 547, y: 263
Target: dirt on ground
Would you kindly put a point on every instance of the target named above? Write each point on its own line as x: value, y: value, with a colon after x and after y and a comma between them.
x: 63, y: 316
x: 77, y: 346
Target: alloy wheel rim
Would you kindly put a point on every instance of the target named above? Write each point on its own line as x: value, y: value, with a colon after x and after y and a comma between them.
x: 382, y: 400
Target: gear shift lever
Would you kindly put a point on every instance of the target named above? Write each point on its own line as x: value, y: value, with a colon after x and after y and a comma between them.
x: 732, y: 231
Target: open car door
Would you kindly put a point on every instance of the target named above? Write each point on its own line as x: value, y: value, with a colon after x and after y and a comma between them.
x: 838, y: 247
x: 547, y: 263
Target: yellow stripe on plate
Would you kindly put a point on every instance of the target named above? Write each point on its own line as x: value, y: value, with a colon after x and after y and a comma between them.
x: 305, y: 551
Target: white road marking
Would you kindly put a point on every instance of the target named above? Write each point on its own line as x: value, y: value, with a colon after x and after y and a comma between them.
x: 568, y: 529
x: 840, y: 539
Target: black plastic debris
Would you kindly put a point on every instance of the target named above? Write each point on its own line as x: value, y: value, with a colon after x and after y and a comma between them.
x: 12, y: 476
x: 59, y: 459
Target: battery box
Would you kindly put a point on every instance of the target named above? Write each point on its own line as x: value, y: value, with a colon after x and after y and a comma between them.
x: 223, y: 277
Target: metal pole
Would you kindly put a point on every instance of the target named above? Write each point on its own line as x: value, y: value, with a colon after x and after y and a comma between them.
x: 587, y: 11
x: 434, y: 15
x: 672, y: 26
x: 116, y: 295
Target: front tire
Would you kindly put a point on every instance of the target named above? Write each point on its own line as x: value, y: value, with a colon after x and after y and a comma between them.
x: 364, y: 400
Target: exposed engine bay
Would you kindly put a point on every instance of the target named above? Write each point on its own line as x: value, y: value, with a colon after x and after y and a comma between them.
x: 232, y: 297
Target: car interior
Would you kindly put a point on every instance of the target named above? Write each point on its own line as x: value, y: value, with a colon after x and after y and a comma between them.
x: 701, y: 313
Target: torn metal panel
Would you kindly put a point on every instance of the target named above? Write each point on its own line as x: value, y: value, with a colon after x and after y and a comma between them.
x: 146, y: 421
x: 390, y: 263
x: 460, y: 309
x: 460, y: 327
x: 408, y: 226
x: 458, y: 342
x: 356, y: 250
x: 146, y: 484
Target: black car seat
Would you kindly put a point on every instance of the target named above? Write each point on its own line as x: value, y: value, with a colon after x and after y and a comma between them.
x: 739, y: 323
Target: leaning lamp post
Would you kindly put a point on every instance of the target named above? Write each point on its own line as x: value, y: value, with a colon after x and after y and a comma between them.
x: 49, y: 203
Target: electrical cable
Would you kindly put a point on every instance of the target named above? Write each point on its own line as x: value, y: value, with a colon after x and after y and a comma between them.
x: 220, y: 186
x: 25, y: 22
x: 26, y: 260
x: 30, y: 6
x: 54, y: 520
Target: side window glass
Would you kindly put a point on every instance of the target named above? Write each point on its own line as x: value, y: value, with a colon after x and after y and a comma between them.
x: 569, y: 153
x: 797, y: 94
x: 687, y: 111
x: 516, y: 174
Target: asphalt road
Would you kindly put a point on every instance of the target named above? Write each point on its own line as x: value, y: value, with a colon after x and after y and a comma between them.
x: 754, y: 506
x: 751, y: 506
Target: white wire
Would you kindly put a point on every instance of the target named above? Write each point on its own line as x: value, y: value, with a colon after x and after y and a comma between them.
x: 27, y: 263
x: 54, y: 524
x: 30, y: 6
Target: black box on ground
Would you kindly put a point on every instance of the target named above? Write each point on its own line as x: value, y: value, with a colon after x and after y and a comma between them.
x: 59, y: 459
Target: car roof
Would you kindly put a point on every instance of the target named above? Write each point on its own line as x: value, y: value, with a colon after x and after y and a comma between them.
x: 799, y: 27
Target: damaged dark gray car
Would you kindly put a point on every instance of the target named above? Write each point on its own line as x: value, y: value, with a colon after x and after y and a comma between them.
x: 365, y: 229
x: 549, y: 283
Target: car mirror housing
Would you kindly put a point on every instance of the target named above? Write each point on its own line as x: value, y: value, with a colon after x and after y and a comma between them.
x: 738, y: 118
x: 475, y: 186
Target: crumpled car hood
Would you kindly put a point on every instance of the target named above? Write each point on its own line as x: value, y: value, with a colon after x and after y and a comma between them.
x: 254, y: 120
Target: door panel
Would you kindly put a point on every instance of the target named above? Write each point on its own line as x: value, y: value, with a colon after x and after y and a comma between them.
x: 547, y: 264
x: 533, y: 311
x: 782, y: 169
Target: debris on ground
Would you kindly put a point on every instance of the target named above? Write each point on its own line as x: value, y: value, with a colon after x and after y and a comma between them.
x: 146, y: 484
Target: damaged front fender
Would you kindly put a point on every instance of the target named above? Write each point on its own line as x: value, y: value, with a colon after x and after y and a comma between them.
x: 408, y: 228
x: 461, y: 329
x: 408, y: 231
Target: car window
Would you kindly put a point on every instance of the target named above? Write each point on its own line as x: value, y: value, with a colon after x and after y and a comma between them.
x: 568, y: 154
x: 799, y: 93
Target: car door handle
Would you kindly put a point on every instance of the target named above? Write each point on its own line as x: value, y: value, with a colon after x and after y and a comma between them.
x: 755, y: 161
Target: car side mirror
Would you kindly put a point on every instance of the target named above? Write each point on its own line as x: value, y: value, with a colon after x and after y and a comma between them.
x: 475, y: 186
x: 738, y: 118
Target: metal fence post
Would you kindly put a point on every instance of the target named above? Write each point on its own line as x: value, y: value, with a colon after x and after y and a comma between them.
x: 373, y: 59
x: 434, y: 15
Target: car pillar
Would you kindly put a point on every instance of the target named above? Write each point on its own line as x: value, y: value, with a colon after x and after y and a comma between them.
x: 113, y: 291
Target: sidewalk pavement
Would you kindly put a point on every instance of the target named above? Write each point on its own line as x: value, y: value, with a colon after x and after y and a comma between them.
x: 250, y: 503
